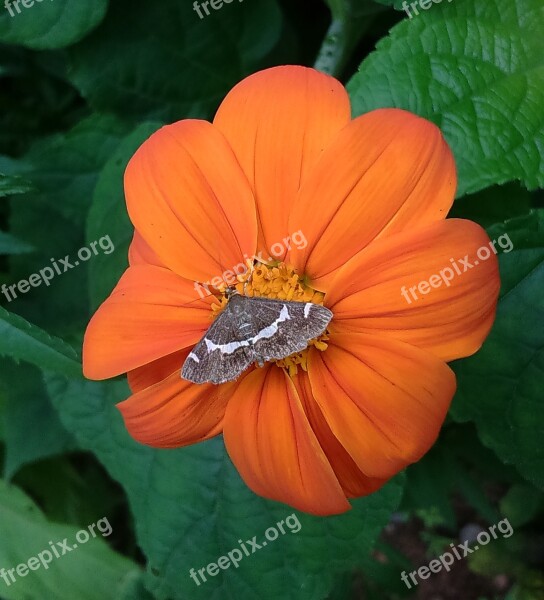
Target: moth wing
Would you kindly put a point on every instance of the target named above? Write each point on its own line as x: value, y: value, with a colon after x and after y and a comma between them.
x: 286, y: 327
x: 207, y: 362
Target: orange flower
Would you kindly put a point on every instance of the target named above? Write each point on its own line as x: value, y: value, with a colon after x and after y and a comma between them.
x: 370, y: 196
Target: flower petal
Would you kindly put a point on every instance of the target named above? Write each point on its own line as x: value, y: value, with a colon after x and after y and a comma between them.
x: 372, y: 292
x: 353, y: 481
x: 151, y: 313
x: 140, y: 253
x: 387, y: 171
x: 278, y: 122
x: 154, y: 372
x: 189, y: 200
x: 175, y: 412
x: 384, y: 400
x: 272, y: 445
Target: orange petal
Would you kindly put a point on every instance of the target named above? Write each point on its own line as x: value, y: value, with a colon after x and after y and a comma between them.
x: 151, y: 313
x: 353, y: 481
x: 278, y: 122
x: 190, y: 201
x: 387, y: 171
x: 272, y: 445
x: 384, y: 400
x: 143, y: 377
x: 175, y: 412
x: 372, y: 292
x: 140, y: 253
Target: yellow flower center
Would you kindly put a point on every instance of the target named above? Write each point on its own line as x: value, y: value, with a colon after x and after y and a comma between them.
x: 279, y: 282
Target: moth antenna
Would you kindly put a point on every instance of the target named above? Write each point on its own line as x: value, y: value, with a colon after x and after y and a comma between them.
x: 201, y: 299
x: 226, y: 286
x: 251, y: 265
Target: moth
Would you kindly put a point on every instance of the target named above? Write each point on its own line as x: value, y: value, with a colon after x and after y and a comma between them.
x: 253, y: 330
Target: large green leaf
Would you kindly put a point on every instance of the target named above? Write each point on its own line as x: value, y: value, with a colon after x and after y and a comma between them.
x: 500, y: 388
x: 181, y: 65
x: 191, y: 508
x: 64, y: 167
x: 65, y: 170
x: 47, y: 24
x: 21, y: 340
x: 89, y: 571
x: 32, y: 429
x: 72, y: 489
x: 475, y: 68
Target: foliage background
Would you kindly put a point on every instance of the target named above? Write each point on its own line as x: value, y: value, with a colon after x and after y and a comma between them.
x: 82, y: 84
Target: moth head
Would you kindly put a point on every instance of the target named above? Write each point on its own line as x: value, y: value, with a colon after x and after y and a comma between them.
x: 230, y: 292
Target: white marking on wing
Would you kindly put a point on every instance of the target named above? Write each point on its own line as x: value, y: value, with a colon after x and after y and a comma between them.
x: 194, y: 357
x: 307, y: 309
x: 267, y: 332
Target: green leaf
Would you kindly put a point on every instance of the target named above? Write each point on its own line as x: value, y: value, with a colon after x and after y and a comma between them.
x: 32, y: 427
x: 71, y: 489
x: 92, y: 571
x: 475, y: 68
x: 180, y: 67
x: 10, y: 185
x: 48, y: 24
x: 21, y: 340
x: 397, y: 4
x: 108, y: 213
x: 65, y: 170
x: 500, y: 388
x: 521, y: 504
x: 380, y: 575
x: 493, y: 205
x: 191, y: 507
x: 456, y: 464
x: 64, y: 167
x: 11, y: 245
